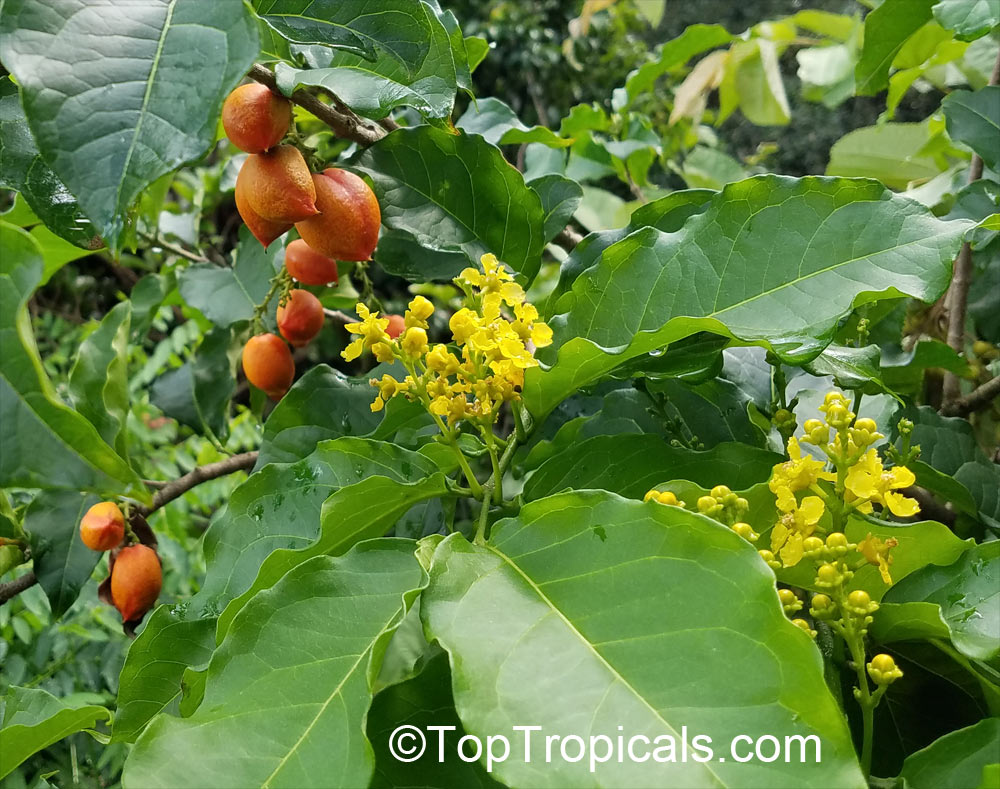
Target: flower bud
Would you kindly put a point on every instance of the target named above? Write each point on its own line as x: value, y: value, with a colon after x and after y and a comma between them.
x: 822, y: 607
x: 769, y: 560
x: 802, y: 623
x: 811, y: 547
x: 745, y: 530
x: 860, y: 602
x: 742, y: 505
x: 707, y: 505
x: 789, y: 601
x: 828, y: 575
x: 414, y: 342
x: 883, y: 670
x: 668, y: 497
x: 720, y: 492
x: 866, y: 424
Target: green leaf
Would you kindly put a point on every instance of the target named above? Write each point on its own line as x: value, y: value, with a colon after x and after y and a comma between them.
x: 150, y: 680
x: 845, y: 243
x: 456, y: 194
x: 56, y: 251
x: 98, y: 382
x: 62, y: 563
x: 396, y: 29
x: 227, y: 295
x: 198, y: 392
x: 713, y: 411
x: 908, y: 622
x: 752, y: 81
x: 632, y: 464
x: 955, y: 761
x: 968, y: 592
x: 286, y: 696
x: 969, y: 19
x: 104, y: 109
x: 851, y: 368
x: 46, y: 443
x: 324, y: 403
x: 693, y: 41
x: 587, y: 613
x: 904, y: 370
x: 710, y: 168
x: 890, y: 153
x: 425, y: 700
x: 25, y: 171
x: 886, y: 30
x: 974, y: 119
x: 498, y: 124
x: 34, y: 719
x: 560, y: 198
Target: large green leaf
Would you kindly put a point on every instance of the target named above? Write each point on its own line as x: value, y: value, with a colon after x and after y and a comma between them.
x: 712, y: 412
x: 560, y: 198
x: 25, y: 171
x: 592, y: 615
x: 227, y: 295
x: 970, y: 19
x: 968, y: 592
x: 957, y: 760
x: 908, y: 622
x: 456, y: 193
x: 886, y: 30
x: 45, y: 443
x: 974, y: 119
x: 843, y: 243
x: 632, y: 464
x: 62, y: 563
x: 890, y: 153
x: 498, y: 124
x: 150, y: 680
x: 112, y: 113
x: 98, y: 382
x: 287, y: 692
x: 397, y: 29
x: 33, y: 719
x: 198, y: 392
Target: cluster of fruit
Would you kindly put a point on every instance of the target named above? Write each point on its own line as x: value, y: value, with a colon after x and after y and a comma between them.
x: 335, y: 213
x: 136, y: 575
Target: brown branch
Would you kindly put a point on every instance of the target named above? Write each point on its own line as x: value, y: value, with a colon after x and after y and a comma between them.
x: 338, y: 116
x: 957, y: 298
x: 15, y: 587
x: 980, y: 397
x: 337, y: 315
x: 196, y: 476
x: 568, y: 238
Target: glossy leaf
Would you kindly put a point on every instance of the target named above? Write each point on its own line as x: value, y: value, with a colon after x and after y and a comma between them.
x: 886, y: 30
x: 227, y: 295
x: 711, y: 412
x: 908, y: 622
x: 957, y: 760
x: 632, y: 464
x: 456, y: 194
x: 98, y: 382
x: 974, y: 119
x: 105, y: 109
x: 851, y: 368
x: 34, y: 719
x: 285, y: 697
x: 62, y: 563
x: 587, y: 613
x: 46, y: 443
x: 844, y: 243
x: 968, y: 593
x: 498, y: 124
x: 560, y: 198
x: 25, y: 171
x: 150, y: 680
x: 970, y: 19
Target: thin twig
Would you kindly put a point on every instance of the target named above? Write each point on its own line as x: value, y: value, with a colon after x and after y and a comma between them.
x: 980, y: 397
x: 568, y: 238
x: 177, y: 249
x: 957, y: 299
x: 338, y: 116
x: 15, y: 587
x: 337, y: 315
x: 196, y: 476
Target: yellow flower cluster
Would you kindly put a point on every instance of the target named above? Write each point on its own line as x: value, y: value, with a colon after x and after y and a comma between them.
x: 859, y: 477
x: 495, y: 335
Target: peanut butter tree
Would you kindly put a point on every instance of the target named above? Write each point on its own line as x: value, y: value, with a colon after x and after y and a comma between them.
x: 598, y: 429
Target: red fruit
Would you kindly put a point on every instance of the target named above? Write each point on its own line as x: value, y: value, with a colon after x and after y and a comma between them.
x: 347, y: 225
x: 136, y: 579
x: 255, y: 118
x: 300, y: 318
x: 278, y: 185
x: 263, y: 230
x: 308, y: 266
x: 397, y: 325
x: 268, y: 364
x: 103, y: 527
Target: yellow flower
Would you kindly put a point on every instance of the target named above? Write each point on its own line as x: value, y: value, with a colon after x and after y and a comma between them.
x: 388, y: 388
x: 463, y: 325
x: 383, y: 352
x: 876, y: 552
x: 799, y: 472
x: 869, y: 480
x: 663, y: 497
x: 418, y: 313
x: 441, y: 360
x: 797, y: 522
x: 414, y: 342
x: 371, y: 330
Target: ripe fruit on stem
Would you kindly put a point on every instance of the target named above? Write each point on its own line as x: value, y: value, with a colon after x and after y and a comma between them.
x: 277, y: 185
x: 103, y: 527
x: 300, y: 318
x: 308, y: 266
x: 397, y: 325
x: 255, y: 118
x: 263, y: 230
x: 268, y: 364
x: 136, y: 578
x: 347, y: 225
